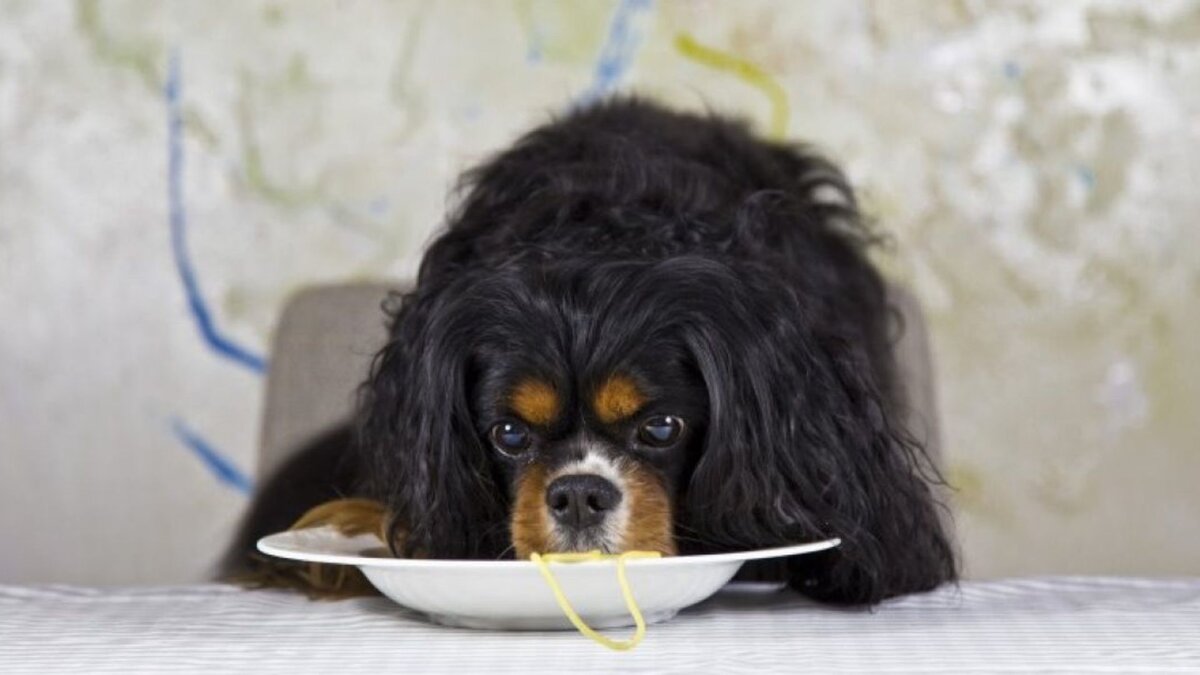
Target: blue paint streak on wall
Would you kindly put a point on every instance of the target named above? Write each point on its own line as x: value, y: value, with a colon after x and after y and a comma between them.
x: 533, y: 55
x: 379, y: 206
x: 1086, y: 176
x: 616, y: 56
x: 219, y: 343
x: 221, y: 467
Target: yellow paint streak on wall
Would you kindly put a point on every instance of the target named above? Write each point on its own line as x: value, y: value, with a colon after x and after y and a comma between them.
x: 970, y: 495
x: 744, y: 70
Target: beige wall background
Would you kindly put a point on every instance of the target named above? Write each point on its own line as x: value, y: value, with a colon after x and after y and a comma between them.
x: 1036, y: 162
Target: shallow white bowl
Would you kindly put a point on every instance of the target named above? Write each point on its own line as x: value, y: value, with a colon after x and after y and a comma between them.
x: 512, y: 595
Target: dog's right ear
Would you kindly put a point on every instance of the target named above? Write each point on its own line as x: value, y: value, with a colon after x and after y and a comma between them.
x: 420, y: 452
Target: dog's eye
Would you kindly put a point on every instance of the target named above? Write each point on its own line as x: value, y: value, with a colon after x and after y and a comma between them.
x: 510, y: 437
x: 660, y: 430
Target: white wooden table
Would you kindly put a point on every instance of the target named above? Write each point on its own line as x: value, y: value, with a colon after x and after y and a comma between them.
x: 1075, y: 625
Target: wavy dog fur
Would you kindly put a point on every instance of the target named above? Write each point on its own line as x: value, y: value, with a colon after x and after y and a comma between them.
x: 625, y: 229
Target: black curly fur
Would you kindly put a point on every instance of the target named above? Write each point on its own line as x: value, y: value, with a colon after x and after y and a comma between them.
x: 624, y: 230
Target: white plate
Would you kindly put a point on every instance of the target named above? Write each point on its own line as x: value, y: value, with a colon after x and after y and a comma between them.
x: 512, y: 595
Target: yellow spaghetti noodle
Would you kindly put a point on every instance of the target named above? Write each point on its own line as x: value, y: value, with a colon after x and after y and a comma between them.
x: 543, y: 563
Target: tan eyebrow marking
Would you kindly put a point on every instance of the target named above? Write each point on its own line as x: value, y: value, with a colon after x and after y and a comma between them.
x: 535, y: 401
x: 618, y: 398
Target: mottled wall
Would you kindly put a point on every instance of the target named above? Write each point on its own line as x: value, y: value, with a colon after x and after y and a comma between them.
x: 170, y: 172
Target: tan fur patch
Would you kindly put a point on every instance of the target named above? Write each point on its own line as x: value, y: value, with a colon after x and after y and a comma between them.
x: 650, y: 519
x: 530, y: 521
x: 350, y: 517
x: 535, y: 401
x: 618, y: 398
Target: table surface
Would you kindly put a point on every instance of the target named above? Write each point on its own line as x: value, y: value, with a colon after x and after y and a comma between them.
x: 1059, y: 624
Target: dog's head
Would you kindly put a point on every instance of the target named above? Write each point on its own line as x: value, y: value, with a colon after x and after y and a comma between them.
x: 557, y: 408
x: 588, y: 402
x: 690, y: 403
x: 616, y: 346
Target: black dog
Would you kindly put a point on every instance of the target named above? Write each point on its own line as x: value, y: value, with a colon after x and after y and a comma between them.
x: 642, y: 330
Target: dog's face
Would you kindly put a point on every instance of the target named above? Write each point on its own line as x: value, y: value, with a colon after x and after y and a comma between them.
x: 588, y: 405
x: 593, y: 460
x: 563, y: 408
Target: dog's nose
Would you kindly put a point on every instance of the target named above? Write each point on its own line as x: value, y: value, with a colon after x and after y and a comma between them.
x: 579, y: 501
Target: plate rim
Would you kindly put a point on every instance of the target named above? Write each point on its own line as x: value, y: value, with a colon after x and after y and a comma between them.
x: 270, y: 546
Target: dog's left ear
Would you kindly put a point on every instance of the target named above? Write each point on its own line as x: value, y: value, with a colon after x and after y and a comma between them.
x: 422, y: 454
x: 803, y: 442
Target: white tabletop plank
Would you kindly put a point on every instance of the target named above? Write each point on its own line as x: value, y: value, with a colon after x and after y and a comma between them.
x: 1075, y: 624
